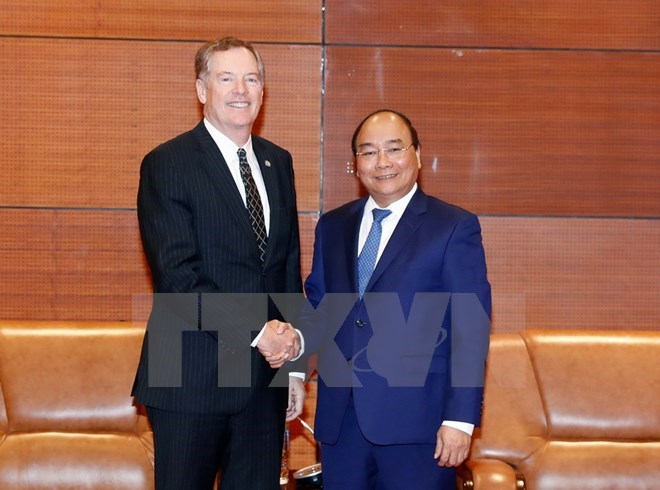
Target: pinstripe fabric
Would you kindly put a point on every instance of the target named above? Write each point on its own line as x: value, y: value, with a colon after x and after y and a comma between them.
x: 191, y: 447
x: 198, y: 239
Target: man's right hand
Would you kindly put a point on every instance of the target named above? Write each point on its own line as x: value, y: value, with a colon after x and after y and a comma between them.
x: 279, y: 343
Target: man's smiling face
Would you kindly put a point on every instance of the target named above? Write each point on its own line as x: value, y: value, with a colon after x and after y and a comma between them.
x: 387, y: 178
x: 232, y: 92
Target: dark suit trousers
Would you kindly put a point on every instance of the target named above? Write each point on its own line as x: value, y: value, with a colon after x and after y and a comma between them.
x: 354, y: 463
x: 245, y: 447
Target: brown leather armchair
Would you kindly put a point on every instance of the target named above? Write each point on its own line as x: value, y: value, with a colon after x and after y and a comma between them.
x: 569, y: 410
x: 67, y: 419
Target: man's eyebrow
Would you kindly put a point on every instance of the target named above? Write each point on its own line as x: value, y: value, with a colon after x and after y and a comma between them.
x: 231, y: 73
x: 388, y: 142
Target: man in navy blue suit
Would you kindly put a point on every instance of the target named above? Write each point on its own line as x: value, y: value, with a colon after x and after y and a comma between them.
x: 416, y: 337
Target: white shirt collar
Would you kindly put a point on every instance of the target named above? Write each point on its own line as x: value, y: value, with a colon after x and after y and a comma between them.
x: 227, y: 147
x: 397, y: 207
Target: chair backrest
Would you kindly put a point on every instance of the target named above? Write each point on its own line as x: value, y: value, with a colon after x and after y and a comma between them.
x: 3, y: 415
x: 562, y: 406
x: 598, y: 385
x: 68, y: 376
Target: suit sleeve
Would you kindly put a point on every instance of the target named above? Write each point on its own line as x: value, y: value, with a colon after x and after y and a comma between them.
x: 167, y: 228
x: 293, y: 279
x: 169, y: 241
x: 464, y: 273
x: 310, y: 324
x: 315, y: 282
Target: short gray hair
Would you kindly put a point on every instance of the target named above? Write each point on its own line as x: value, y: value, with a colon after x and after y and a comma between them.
x: 204, y: 54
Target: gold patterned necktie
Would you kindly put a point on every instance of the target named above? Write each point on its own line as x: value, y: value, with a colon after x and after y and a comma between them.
x: 254, y: 206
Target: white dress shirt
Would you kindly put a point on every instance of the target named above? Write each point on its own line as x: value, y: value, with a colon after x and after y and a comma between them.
x: 229, y: 151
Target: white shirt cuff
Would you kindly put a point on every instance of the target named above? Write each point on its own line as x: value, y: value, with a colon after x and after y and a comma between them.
x: 258, y: 337
x: 464, y: 426
x: 302, y: 345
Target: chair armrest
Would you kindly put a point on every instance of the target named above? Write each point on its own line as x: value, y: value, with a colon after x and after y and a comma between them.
x: 490, y: 474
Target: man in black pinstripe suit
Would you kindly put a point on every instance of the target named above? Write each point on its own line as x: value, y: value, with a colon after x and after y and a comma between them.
x: 202, y: 246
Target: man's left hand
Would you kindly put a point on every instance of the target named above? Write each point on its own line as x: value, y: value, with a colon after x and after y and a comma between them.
x: 296, y: 398
x: 452, y: 446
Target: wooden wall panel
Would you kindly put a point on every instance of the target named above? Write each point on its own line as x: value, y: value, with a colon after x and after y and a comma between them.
x: 258, y: 20
x: 307, y: 224
x: 557, y: 115
x: 508, y: 132
x: 74, y: 265
x: 564, y: 273
x: 590, y: 24
x: 81, y: 265
x: 78, y: 116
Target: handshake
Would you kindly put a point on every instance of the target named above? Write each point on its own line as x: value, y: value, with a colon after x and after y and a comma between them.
x: 279, y: 343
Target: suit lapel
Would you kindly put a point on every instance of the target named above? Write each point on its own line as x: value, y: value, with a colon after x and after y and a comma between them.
x: 352, y: 232
x: 217, y: 168
x: 272, y: 190
x: 412, y: 217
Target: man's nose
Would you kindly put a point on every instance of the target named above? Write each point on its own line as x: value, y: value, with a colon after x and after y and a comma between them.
x: 241, y: 87
x: 382, y: 160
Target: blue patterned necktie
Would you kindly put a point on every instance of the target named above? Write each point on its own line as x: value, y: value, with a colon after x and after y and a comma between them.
x: 367, y: 258
x: 253, y: 201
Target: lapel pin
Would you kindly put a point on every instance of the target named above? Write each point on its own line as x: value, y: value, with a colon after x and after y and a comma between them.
x: 267, y: 163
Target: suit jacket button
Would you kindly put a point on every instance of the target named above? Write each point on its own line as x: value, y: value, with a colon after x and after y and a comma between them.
x: 359, y: 323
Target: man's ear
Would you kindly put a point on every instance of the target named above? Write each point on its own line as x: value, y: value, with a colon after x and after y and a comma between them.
x: 201, y: 90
